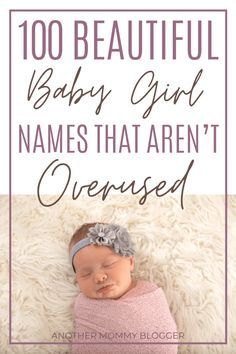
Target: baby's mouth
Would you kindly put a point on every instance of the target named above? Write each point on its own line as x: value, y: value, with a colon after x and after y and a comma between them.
x: 105, y: 288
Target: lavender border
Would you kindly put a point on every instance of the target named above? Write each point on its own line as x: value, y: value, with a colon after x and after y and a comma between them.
x: 10, y: 170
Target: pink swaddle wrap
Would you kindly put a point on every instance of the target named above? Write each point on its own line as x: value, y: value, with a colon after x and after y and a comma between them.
x: 141, y: 315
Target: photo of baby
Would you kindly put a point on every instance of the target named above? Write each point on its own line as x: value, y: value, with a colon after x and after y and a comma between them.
x: 92, y: 276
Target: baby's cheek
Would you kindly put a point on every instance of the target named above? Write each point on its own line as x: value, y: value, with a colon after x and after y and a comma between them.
x: 86, y: 287
x: 113, y: 273
x: 82, y: 283
x: 118, y: 276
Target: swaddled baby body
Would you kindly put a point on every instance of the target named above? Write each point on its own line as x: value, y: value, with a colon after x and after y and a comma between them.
x: 113, y: 312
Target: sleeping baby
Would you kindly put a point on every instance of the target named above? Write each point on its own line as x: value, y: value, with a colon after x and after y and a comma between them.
x: 113, y: 312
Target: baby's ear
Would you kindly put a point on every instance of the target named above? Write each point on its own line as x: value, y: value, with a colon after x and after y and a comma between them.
x: 132, y: 262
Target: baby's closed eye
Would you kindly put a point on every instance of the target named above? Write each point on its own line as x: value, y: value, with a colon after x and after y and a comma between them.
x: 84, y: 274
x: 110, y: 264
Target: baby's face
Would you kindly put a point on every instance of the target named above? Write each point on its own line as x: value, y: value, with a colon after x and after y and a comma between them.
x: 101, y: 273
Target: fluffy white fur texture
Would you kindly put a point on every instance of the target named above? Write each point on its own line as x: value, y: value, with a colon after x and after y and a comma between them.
x: 180, y: 250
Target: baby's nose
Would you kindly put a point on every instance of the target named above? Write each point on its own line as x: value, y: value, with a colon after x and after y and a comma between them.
x: 100, y: 277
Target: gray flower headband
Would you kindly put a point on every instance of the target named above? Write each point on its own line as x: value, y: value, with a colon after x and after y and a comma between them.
x: 110, y: 235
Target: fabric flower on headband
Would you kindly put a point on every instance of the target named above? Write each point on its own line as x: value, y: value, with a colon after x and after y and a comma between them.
x: 114, y: 236
x: 102, y: 235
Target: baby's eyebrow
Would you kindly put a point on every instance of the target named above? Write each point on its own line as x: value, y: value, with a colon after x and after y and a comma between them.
x: 111, y: 257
